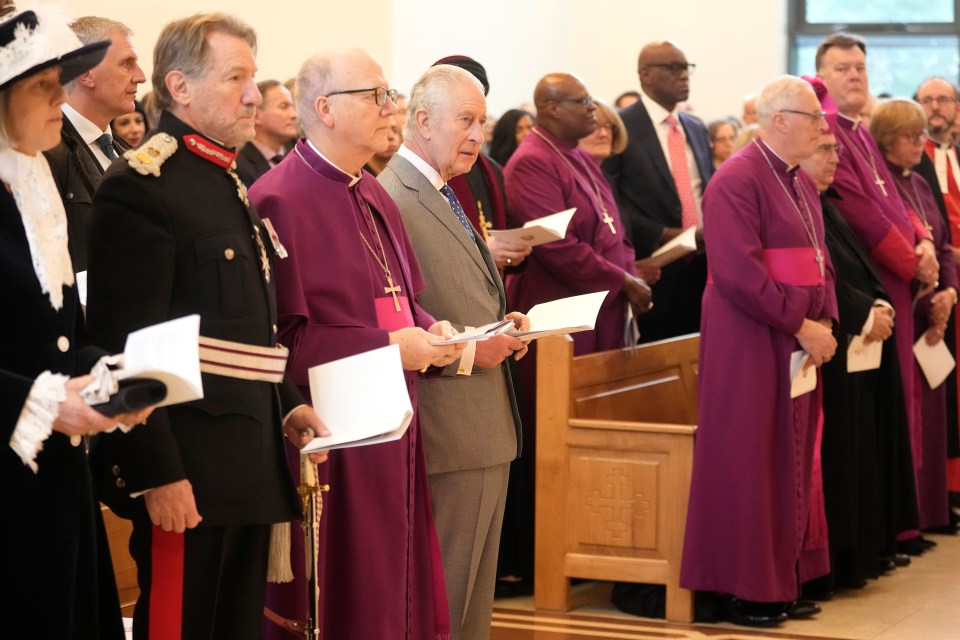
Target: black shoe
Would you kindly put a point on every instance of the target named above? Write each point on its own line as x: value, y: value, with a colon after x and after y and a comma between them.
x: 802, y: 609
x: 911, y: 547
x: 887, y: 564
x: 753, y: 614
x: 901, y: 560
x: 853, y: 583
x: 951, y: 529
x: 512, y: 588
x: 927, y: 543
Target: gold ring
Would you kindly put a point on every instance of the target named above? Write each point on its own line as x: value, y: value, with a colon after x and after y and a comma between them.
x: 509, y: 261
x: 649, y: 306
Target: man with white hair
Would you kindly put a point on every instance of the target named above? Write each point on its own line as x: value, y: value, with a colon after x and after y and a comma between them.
x: 349, y: 286
x: 770, y: 295
x: 88, y: 146
x: 471, y: 425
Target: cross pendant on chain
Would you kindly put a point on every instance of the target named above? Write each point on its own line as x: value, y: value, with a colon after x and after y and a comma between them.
x: 819, y: 260
x: 394, y: 290
x: 880, y: 182
x: 607, y: 220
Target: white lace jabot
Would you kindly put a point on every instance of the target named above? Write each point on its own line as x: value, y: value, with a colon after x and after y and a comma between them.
x: 44, y: 219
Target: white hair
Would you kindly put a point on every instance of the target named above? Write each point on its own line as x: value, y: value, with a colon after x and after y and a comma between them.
x: 431, y: 92
x: 778, y: 94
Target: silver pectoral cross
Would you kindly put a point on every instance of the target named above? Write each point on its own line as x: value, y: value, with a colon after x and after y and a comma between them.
x: 819, y: 260
x: 880, y: 182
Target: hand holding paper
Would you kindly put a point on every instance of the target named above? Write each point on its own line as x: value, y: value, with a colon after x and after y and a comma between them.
x: 540, y: 231
x: 559, y: 317
x: 684, y: 243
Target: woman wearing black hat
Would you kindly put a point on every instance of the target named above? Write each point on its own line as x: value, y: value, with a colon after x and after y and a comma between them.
x: 53, y: 581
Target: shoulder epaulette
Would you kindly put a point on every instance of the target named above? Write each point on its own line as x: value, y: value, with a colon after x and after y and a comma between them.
x: 147, y: 158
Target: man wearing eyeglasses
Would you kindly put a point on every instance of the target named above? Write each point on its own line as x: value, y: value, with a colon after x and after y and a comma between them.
x: 940, y: 168
x: 659, y: 182
x: 896, y: 238
x: 349, y: 286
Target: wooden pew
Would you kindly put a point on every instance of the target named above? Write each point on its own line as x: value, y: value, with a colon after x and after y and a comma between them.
x: 615, y: 436
x: 124, y: 568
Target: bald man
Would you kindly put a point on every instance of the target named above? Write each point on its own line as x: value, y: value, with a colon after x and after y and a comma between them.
x: 546, y: 174
x: 659, y: 182
x: 349, y: 286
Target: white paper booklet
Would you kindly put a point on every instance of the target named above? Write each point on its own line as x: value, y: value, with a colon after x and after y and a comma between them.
x: 168, y: 352
x: 801, y: 380
x: 480, y: 334
x: 680, y: 246
x: 362, y: 399
x: 935, y: 361
x: 566, y: 315
x: 81, y: 280
x: 540, y: 231
x: 863, y: 357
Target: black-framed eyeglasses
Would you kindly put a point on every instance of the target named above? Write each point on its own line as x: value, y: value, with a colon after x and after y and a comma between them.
x: 815, y: 117
x: 676, y: 68
x: 585, y: 101
x: 380, y: 94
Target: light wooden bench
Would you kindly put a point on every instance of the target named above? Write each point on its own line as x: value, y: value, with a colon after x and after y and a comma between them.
x: 124, y: 568
x: 615, y: 436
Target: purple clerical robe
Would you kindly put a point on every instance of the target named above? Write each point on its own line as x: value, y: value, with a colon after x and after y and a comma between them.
x: 750, y: 496
x: 930, y: 446
x: 590, y: 258
x: 378, y: 561
x: 880, y: 220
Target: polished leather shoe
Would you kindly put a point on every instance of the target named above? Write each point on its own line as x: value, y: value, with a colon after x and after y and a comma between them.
x: 887, y: 564
x: 951, y: 529
x: 753, y: 614
x: 901, y: 560
x: 911, y: 547
x: 802, y: 609
x: 512, y: 588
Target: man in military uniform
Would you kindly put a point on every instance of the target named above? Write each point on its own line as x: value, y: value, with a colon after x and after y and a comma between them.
x: 174, y: 234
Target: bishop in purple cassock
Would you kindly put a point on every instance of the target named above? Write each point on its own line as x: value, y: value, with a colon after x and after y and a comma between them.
x: 347, y: 287
x: 770, y: 293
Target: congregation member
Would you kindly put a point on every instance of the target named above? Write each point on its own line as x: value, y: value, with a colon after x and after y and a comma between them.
x: 131, y: 127
x: 722, y: 135
x: 749, y: 114
x: 378, y: 161
x: 276, y: 129
x: 940, y: 168
x: 659, y: 181
x: 626, y: 99
x: 93, y: 99
x: 349, y: 286
x: 56, y: 571
x: 480, y: 190
x: 202, y: 481
x: 771, y: 293
x: 610, y: 136
x: 550, y: 173
x: 512, y: 127
x: 469, y: 417
x: 865, y: 450
x: 864, y: 193
x: 898, y: 125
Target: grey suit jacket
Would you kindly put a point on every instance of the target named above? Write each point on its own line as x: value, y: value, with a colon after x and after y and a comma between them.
x: 468, y: 422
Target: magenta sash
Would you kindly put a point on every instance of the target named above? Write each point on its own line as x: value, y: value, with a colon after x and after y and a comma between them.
x: 795, y: 266
x: 388, y: 318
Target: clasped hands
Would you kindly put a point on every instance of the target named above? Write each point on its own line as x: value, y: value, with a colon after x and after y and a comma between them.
x: 816, y: 338
x: 928, y: 269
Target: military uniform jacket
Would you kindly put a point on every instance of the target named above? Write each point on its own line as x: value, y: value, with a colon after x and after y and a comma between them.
x: 164, y: 247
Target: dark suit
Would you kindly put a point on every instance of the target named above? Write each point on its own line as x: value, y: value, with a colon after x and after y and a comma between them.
x: 161, y: 248
x: 55, y: 568
x: 471, y: 426
x: 251, y: 164
x: 648, y: 202
x: 77, y: 173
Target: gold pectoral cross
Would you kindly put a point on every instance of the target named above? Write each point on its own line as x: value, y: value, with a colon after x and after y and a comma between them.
x: 880, y: 182
x: 607, y: 220
x: 393, y: 290
x: 819, y: 260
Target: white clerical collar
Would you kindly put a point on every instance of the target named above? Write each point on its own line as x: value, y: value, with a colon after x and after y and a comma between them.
x: 88, y: 131
x: 856, y: 121
x: 656, y: 111
x: 354, y: 179
x: 431, y: 174
x: 770, y: 149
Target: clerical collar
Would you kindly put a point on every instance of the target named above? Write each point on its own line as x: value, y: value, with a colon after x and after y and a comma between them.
x: 354, y: 179
x: 431, y: 174
x: 655, y: 110
x: 855, y: 122
x: 88, y: 131
x: 789, y: 168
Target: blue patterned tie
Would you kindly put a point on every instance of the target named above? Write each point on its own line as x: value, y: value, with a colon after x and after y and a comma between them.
x: 105, y: 142
x: 458, y: 210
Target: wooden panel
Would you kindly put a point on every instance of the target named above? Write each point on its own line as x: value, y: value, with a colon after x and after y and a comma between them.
x: 124, y: 568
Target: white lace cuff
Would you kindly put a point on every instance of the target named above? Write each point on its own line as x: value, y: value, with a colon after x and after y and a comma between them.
x: 39, y: 413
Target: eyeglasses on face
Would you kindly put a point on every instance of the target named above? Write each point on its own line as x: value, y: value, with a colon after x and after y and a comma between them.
x: 814, y: 117
x: 676, y: 68
x: 828, y: 149
x: 913, y: 137
x: 585, y: 101
x: 940, y: 100
x: 380, y: 94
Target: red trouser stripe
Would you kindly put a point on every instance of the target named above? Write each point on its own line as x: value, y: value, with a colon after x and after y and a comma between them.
x: 166, y: 585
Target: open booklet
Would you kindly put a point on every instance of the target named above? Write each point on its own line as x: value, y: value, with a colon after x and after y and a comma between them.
x: 168, y: 352
x: 480, y: 334
x: 680, y: 246
x: 362, y: 399
x: 559, y: 317
x: 540, y: 231
x: 803, y: 379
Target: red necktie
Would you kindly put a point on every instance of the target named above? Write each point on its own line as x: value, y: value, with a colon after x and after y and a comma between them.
x: 681, y: 175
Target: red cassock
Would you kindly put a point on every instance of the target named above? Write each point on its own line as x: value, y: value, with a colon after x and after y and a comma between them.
x: 749, y: 529
x: 378, y: 563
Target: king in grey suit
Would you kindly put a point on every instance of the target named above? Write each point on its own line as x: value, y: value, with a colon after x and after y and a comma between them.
x: 468, y: 413
x: 647, y: 191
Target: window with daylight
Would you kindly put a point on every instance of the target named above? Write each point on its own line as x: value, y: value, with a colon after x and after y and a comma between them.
x: 906, y: 41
